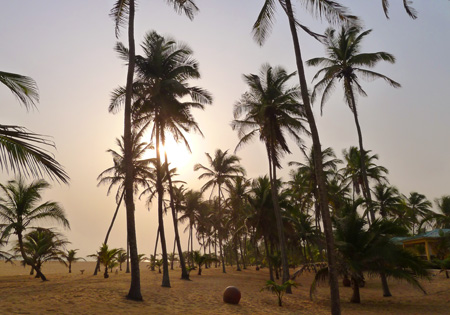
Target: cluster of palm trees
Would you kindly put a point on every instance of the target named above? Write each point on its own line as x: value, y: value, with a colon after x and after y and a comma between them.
x: 156, y: 84
x: 138, y: 100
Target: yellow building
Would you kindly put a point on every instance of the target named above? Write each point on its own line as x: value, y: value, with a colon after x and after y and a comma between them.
x: 423, y: 245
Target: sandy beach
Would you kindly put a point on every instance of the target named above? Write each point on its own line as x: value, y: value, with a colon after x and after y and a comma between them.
x: 78, y: 293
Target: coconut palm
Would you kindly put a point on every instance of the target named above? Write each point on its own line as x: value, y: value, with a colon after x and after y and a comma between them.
x: 369, y: 249
x: 222, y: 169
x: 70, y: 257
x: 201, y: 260
x: 123, y: 12
x: 353, y: 172
x: 334, y: 13
x: 19, y: 147
x: 106, y: 256
x: 162, y: 74
x: 442, y: 218
x: 115, y: 175
x: 387, y: 200
x: 42, y: 245
x: 20, y: 206
x: 269, y: 109
x: 345, y: 62
x: 416, y: 207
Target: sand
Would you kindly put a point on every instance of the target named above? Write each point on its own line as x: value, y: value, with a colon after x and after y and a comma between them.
x: 78, y: 293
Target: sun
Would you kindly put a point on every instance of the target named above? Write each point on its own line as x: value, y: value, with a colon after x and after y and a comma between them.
x: 177, y: 153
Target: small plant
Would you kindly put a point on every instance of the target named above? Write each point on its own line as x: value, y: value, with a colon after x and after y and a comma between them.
x: 278, y: 289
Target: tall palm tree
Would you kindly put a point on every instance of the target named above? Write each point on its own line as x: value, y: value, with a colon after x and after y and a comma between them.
x: 162, y: 81
x: 387, y: 200
x: 222, y: 169
x: 19, y: 148
x: 334, y: 13
x: 269, y: 109
x: 20, y: 206
x: 345, y: 62
x: 123, y: 12
x: 442, y: 218
x: 71, y: 256
x: 353, y: 172
x: 115, y: 175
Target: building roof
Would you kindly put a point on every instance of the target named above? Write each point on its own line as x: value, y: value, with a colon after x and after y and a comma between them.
x: 427, y: 235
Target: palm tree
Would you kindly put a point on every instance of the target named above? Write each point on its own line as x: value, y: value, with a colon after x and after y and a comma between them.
x: 192, y: 205
x: 334, y: 13
x: 269, y: 108
x: 416, y: 207
x: 106, y: 256
x: 20, y: 147
x: 370, y: 250
x: 70, y: 257
x: 442, y: 218
x: 42, y: 245
x: 387, y: 200
x: 353, y: 172
x: 20, y: 206
x: 201, y: 260
x: 123, y: 10
x: 223, y: 168
x: 345, y: 62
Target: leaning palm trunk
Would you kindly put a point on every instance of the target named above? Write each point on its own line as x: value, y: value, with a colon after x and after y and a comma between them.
x: 184, y: 273
x: 159, y: 187
x: 28, y: 261
x: 323, y: 197
x: 362, y: 152
x: 279, y: 221
x: 109, y: 230
x: 135, y: 286
x: 366, y: 188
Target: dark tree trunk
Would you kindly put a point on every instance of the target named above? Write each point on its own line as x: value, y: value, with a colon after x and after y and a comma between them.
x: 244, y: 266
x: 27, y: 260
x: 159, y: 186
x: 320, y: 177
x: 384, y: 285
x: 128, y: 258
x: 109, y: 230
x: 152, y: 267
x: 184, y: 273
x: 355, y: 286
x: 238, y: 268
x: 279, y: 221
x: 135, y: 287
x: 362, y: 152
x: 268, y: 258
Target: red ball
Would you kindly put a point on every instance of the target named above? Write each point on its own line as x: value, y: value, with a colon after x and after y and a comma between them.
x: 232, y: 295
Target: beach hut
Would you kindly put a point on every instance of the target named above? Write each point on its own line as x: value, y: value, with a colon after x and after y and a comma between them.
x: 424, y: 245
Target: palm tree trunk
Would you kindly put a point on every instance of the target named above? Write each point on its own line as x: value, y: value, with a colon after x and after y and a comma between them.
x: 184, y: 273
x: 356, y: 298
x: 279, y: 220
x: 384, y: 285
x: 159, y: 187
x: 366, y: 187
x: 109, y: 229
x: 243, y: 254
x: 135, y: 286
x: 268, y: 258
x: 220, y: 237
x: 321, y: 181
x: 128, y: 257
x: 27, y: 260
x: 155, y: 250
x: 238, y: 268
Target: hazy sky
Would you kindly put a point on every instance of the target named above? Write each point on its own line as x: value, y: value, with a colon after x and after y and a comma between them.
x: 67, y: 47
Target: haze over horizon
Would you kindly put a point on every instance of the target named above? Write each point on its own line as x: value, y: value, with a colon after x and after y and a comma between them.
x: 68, y: 50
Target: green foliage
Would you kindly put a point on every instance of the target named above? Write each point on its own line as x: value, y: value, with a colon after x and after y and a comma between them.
x: 278, y: 289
